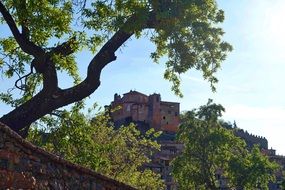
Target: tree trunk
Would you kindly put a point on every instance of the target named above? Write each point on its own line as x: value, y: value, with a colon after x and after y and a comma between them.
x: 51, y: 97
x: 43, y: 103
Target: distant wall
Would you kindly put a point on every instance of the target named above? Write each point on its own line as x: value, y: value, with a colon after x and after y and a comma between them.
x: 251, y: 139
x: 25, y: 166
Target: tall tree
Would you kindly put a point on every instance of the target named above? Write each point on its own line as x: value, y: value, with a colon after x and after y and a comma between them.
x: 186, y: 31
x: 93, y: 142
x: 213, y: 152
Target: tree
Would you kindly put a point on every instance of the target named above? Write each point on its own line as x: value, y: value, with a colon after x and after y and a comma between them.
x: 186, y: 31
x: 93, y: 142
x: 253, y: 171
x: 213, y: 152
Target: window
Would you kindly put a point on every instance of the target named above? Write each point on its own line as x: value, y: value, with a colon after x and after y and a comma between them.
x: 128, y: 107
x: 166, y: 163
x: 164, y: 117
x: 172, y: 151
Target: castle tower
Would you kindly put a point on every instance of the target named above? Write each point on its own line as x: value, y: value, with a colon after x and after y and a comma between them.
x: 154, y: 116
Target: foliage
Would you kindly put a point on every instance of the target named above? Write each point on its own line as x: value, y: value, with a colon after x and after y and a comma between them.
x: 283, y: 184
x: 212, y: 151
x: 94, y: 143
x: 47, y: 35
x: 253, y: 171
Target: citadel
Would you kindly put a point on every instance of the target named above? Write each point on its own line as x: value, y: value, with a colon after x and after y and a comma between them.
x: 151, y: 112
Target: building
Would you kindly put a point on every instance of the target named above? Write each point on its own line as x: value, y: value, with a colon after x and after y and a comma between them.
x: 150, y: 112
x: 140, y: 108
x: 279, y: 159
x: 162, y: 159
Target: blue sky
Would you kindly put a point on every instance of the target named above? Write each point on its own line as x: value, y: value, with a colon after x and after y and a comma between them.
x: 251, y: 80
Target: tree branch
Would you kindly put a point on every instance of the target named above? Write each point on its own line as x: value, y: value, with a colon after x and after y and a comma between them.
x: 51, y: 97
x: 65, y: 48
x: 42, y: 62
x: 100, y: 60
x: 23, y: 20
x: 26, y: 45
x: 104, y: 57
x: 23, y: 77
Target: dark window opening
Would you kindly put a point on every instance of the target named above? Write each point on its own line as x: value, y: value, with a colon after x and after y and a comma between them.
x: 166, y: 163
x: 163, y: 117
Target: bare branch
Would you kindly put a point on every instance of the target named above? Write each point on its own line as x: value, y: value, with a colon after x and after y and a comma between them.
x: 58, y: 113
x: 23, y: 87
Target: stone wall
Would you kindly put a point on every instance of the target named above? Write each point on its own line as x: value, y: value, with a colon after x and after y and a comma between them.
x: 251, y: 139
x: 25, y: 166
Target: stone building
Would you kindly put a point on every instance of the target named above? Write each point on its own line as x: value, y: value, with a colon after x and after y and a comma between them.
x: 150, y: 112
x: 162, y: 159
x: 279, y: 159
x: 138, y: 107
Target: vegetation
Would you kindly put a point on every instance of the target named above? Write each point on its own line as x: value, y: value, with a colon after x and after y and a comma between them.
x: 213, y: 152
x: 94, y: 143
x: 46, y: 36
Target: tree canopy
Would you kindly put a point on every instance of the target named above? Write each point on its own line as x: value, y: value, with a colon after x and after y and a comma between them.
x: 93, y: 142
x: 45, y: 37
x: 213, y: 154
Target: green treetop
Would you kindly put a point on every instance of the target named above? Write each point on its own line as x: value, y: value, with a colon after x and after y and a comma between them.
x: 46, y: 35
x: 93, y: 142
x: 213, y: 152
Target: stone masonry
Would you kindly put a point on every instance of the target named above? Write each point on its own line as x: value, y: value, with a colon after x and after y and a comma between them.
x: 140, y: 108
x: 25, y: 166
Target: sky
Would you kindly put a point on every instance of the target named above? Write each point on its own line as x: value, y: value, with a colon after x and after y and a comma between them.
x: 251, y: 80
